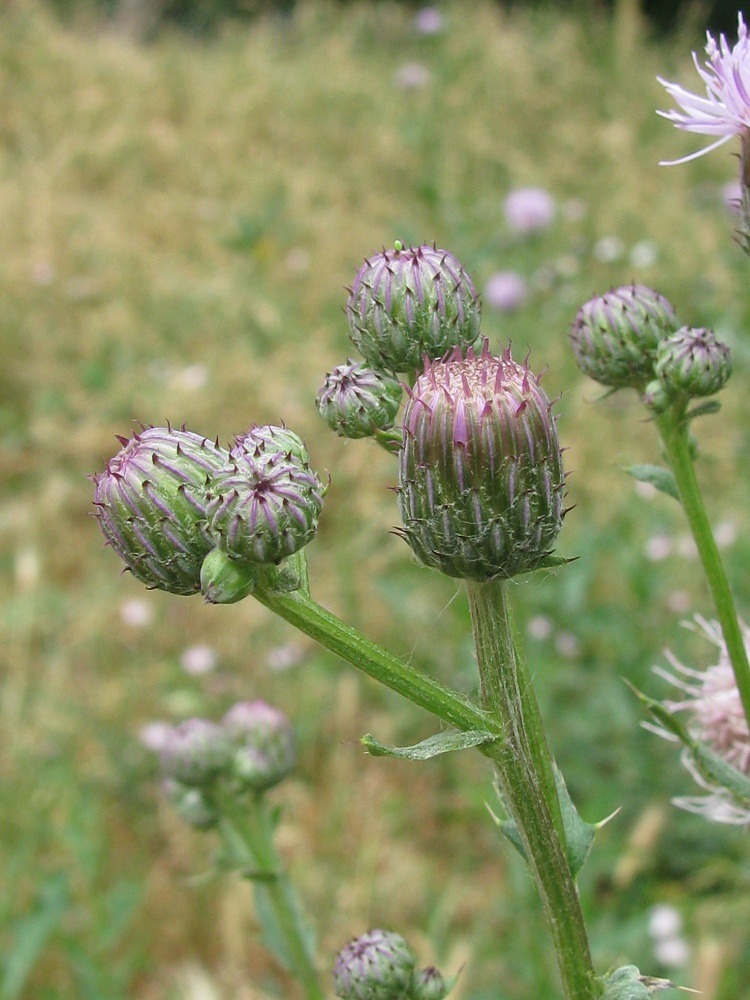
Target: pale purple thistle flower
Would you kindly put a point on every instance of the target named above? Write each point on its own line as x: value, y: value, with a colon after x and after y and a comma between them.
x: 725, y: 110
x: 529, y: 209
x: 717, y: 719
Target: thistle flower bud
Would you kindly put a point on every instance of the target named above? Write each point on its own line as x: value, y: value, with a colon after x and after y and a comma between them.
x: 377, y: 965
x: 429, y: 984
x: 191, y: 804
x: 481, y: 473
x: 263, y: 744
x: 195, y: 753
x: 265, y: 504
x: 694, y: 362
x: 408, y: 302
x: 615, y: 336
x: 268, y: 440
x: 225, y: 580
x: 356, y: 401
x: 151, y: 505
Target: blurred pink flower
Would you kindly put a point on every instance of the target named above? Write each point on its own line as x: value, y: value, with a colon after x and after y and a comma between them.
x: 716, y: 718
x: 725, y: 110
x: 505, y: 291
x: 200, y: 659
x: 428, y: 21
x: 412, y: 76
x: 529, y: 209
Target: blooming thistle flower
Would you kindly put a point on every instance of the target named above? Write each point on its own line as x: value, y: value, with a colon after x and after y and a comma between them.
x: 408, y: 302
x: 481, y: 476
x: 151, y: 505
x: 725, y: 110
x: 356, y: 401
x: 716, y: 718
x: 529, y: 210
x: 505, y: 291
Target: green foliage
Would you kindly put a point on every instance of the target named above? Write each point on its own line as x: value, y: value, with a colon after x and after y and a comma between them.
x: 180, y: 221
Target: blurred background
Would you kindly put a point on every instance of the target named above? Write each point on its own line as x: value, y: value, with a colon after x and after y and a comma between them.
x: 186, y: 190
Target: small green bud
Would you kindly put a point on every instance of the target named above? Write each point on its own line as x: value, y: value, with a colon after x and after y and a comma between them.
x: 151, y: 505
x: 656, y: 396
x: 195, y: 752
x: 481, y: 474
x: 694, y: 362
x: 408, y: 302
x: 615, y: 336
x: 377, y: 965
x: 265, y: 504
x: 225, y: 580
x: 263, y: 744
x: 356, y: 401
x: 429, y: 984
x: 191, y: 804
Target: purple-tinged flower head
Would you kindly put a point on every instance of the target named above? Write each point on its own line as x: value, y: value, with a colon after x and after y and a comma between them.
x: 481, y: 480
x: 505, y: 291
x: 428, y: 21
x: 196, y: 753
x: 151, y: 505
x: 429, y: 984
x: 529, y: 210
x: 377, y: 965
x: 356, y: 401
x: 263, y: 744
x: 715, y: 717
x: 267, y: 439
x: 408, y: 302
x: 615, y: 336
x: 192, y: 805
x: 725, y: 109
x: 694, y: 362
x: 265, y: 504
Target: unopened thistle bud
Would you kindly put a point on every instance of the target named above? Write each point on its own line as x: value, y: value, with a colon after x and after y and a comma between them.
x: 195, y: 752
x: 356, y: 401
x: 429, y: 984
x: 615, y: 336
x: 481, y: 473
x: 191, y: 804
x: 151, y: 505
x: 265, y: 504
x: 263, y: 744
x: 268, y: 440
x: 225, y: 580
x: 408, y: 302
x: 377, y: 965
x: 694, y: 362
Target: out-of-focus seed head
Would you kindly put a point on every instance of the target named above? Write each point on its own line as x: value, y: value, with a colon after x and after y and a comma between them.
x: 195, y: 753
x: 408, y: 302
x: 615, y: 336
x: 355, y: 401
x: 151, y: 505
x: 481, y: 473
x: 225, y: 580
x: 263, y: 744
x: 265, y: 504
x: 694, y: 362
x: 377, y: 965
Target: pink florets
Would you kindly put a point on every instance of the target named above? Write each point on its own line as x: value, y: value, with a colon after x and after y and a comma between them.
x: 725, y: 110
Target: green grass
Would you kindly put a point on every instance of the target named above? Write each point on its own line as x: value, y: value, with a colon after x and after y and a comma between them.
x: 195, y: 210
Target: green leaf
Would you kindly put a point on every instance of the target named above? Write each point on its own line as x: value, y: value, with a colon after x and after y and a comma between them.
x: 661, y: 479
x: 708, y: 763
x: 703, y: 409
x: 431, y: 747
x: 579, y: 835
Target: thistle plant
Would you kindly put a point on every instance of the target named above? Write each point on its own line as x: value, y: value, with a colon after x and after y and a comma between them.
x: 481, y: 492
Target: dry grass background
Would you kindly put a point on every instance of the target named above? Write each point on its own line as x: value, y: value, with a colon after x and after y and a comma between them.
x: 179, y: 221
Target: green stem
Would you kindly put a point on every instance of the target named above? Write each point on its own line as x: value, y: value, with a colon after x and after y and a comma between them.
x: 526, y: 777
x: 304, y: 613
x: 248, y: 839
x: 674, y: 429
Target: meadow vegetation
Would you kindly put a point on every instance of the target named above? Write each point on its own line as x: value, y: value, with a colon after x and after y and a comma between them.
x: 180, y: 221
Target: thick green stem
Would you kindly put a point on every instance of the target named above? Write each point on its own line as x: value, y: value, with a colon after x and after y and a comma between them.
x: 526, y: 778
x: 300, y: 610
x: 248, y: 839
x: 674, y: 429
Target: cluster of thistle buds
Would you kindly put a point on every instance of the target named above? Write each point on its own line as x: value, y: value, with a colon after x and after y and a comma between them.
x: 632, y: 337
x: 249, y: 751
x: 380, y: 965
x: 187, y: 516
